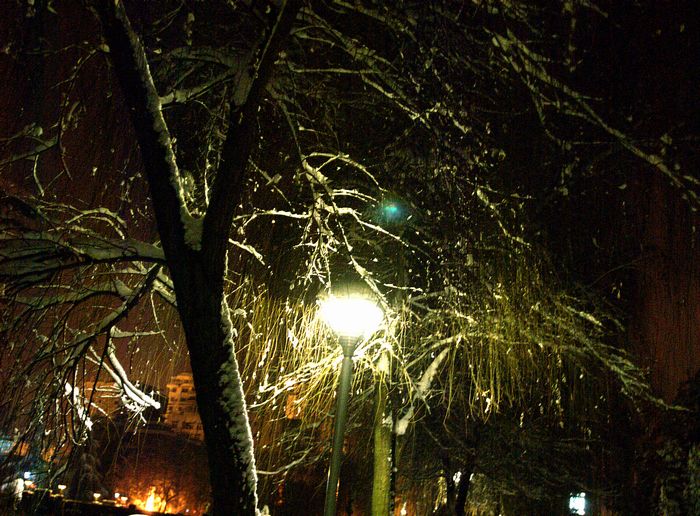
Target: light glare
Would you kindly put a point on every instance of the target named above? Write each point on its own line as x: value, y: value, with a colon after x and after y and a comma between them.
x: 352, y: 316
x: 577, y: 504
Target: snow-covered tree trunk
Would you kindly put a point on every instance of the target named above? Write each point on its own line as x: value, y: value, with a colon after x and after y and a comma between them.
x: 196, y: 250
x: 219, y: 394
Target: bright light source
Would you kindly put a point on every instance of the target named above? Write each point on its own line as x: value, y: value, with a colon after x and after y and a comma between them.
x: 27, y: 475
x: 61, y: 487
x: 392, y: 212
x: 151, y: 500
x: 577, y: 504
x: 351, y: 316
x: 96, y: 496
x: 116, y: 495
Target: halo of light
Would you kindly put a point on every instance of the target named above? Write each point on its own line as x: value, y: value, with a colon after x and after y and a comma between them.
x: 351, y: 316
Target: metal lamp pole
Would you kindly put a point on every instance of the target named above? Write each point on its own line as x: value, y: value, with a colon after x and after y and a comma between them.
x: 341, y: 415
x: 351, y: 317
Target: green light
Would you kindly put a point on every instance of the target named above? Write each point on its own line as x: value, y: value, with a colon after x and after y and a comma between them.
x: 391, y: 210
x: 392, y: 213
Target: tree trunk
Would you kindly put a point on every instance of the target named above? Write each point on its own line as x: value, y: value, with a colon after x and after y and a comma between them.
x: 457, y: 488
x: 198, y: 268
x: 220, y: 398
x: 383, y: 460
x: 462, y: 492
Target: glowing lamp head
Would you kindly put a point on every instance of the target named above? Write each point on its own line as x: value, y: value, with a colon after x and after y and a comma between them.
x: 577, y: 503
x: 351, y: 316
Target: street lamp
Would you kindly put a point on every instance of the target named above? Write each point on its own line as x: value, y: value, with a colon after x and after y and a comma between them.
x: 351, y: 317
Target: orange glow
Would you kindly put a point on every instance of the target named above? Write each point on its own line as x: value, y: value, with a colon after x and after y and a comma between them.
x: 152, y: 502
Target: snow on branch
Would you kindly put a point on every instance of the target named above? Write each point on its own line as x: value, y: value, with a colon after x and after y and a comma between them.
x: 330, y: 158
x: 236, y: 73
x: 134, y: 399
x: 530, y: 66
x: 164, y: 287
x: 132, y: 69
x: 481, y: 195
x: 76, y: 402
x: 41, y: 146
x: 102, y: 214
x: 30, y: 257
x: 240, y: 138
x: 81, y: 344
x: 248, y: 249
x: 421, y: 390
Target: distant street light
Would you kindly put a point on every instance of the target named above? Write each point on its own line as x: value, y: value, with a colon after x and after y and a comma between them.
x: 96, y: 496
x: 351, y: 317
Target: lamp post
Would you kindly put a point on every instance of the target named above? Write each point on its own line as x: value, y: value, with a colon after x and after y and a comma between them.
x: 350, y: 317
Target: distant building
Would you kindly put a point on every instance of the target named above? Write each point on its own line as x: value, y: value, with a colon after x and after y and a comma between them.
x: 181, y: 413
